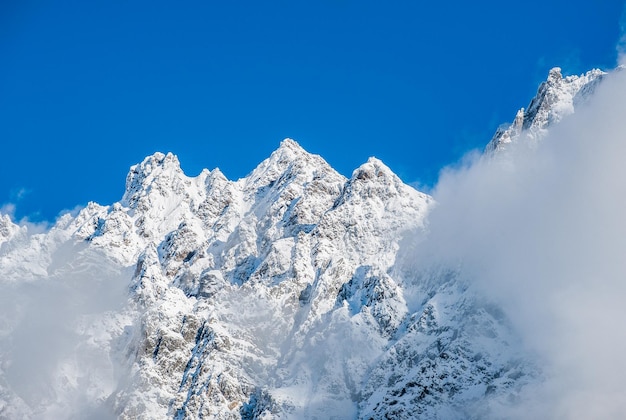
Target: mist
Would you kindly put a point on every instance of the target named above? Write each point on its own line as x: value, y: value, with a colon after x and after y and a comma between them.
x: 55, y: 338
x: 541, y: 230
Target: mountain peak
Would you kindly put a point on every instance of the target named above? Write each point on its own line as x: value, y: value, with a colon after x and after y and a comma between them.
x: 555, y: 74
x: 375, y: 179
x: 158, y: 166
x: 288, y: 150
x: 372, y: 169
x: 159, y: 159
x: 556, y: 98
x: 289, y: 160
x: 291, y: 144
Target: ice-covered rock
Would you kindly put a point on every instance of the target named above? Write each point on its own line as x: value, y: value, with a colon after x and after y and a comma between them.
x: 556, y: 98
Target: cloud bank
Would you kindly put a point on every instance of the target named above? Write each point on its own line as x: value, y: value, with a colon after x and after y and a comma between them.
x: 541, y: 229
x: 55, y: 335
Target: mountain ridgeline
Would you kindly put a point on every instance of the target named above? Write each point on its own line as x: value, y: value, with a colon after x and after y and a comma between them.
x: 291, y: 293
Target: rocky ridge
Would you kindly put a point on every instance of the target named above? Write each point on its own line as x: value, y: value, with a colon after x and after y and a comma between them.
x: 556, y: 98
x: 290, y: 293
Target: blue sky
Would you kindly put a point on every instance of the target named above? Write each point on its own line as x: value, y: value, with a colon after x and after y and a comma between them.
x: 88, y: 89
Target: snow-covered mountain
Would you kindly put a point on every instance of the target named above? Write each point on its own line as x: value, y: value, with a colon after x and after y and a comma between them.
x: 291, y: 293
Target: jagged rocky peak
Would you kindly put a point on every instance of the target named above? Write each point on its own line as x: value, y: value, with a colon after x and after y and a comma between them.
x: 292, y: 188
x: 290, y: 145
x: 289, y: 161
x: 373, y: 169
x: 287, y: 153
x: 556, y: 98
x: 216, y: 176
x: 555, y: 74
x: 159, y: 166
x: 374, y: 179
x: 155, y: 165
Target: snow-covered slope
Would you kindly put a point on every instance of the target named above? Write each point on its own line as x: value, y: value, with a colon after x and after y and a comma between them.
x: 291, y: 293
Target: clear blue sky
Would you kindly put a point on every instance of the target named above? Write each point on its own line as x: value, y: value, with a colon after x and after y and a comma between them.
x: 89, y: 88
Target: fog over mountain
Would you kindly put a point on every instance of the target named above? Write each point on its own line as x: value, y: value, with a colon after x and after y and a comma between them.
x: 296, y: 292
x: 540, y: 230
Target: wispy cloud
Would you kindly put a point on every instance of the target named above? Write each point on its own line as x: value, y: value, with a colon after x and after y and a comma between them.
x: 20, y: 193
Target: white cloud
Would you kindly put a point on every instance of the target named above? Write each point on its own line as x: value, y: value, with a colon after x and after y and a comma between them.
x: 21, y: 193
x: 542, y: 231
x: 51, y: 351
x: 8, y: 209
